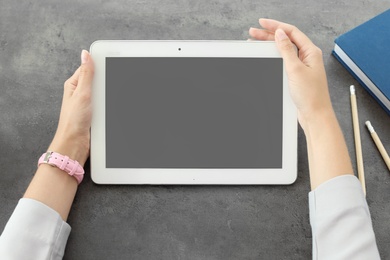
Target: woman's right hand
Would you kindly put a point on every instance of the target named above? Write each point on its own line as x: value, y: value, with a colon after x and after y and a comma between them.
x: 327, y: 151
x: 306, y: 73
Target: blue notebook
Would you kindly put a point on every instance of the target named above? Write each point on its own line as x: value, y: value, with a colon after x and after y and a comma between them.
x: 365, y: 53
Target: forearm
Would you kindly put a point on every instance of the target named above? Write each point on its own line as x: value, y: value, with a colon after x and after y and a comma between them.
x: 53, y: 186
x: 327, y: 150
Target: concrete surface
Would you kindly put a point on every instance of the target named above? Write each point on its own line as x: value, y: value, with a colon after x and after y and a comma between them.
x: 40, y: 44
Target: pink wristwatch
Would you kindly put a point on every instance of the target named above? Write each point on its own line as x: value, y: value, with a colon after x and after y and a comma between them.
x: 73, y: 168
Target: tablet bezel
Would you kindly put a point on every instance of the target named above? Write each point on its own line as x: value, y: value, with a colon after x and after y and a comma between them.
x: 100, y: 50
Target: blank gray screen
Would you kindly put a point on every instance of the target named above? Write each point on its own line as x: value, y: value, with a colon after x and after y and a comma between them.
x: 194, y: 112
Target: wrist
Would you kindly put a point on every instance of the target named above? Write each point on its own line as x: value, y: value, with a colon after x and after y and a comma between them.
x: 316, y: 119
x: 75, y: 149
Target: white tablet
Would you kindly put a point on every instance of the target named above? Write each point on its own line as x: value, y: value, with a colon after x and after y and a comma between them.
x: 191, y: 112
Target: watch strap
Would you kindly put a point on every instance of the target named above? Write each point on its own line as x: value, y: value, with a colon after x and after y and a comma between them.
x: 63, y: 162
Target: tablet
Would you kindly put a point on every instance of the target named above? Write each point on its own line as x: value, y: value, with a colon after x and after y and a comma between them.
x: 191, y: 112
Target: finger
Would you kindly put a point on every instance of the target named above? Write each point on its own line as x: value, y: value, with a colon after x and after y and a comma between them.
x: 295, y: 35
x: 73, y: 80
x: 287, y: 50
x: 71, y: 83
x: 85, y: 76
x: 260, y: 34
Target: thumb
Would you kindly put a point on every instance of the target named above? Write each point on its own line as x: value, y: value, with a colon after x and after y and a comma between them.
x: 86, y: 73
x: 287, y: 50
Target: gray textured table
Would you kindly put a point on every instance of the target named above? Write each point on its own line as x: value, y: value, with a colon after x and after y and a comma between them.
x: 40, y: 44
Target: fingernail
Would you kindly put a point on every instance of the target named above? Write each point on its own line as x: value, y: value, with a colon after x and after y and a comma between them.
x: 84, y: 57
x: 280, y: 34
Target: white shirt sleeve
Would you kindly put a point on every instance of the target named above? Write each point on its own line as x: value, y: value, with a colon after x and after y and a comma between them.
x: 339, y: 216
x: 34, y: 231
x: 341, y: 221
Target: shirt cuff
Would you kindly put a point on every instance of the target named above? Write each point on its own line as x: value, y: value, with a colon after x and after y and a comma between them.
x: 334, y: 195
x: 341, y: 221
x: 34, y: 231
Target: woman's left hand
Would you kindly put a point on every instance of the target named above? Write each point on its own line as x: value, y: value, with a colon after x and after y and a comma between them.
x: 73, y: 133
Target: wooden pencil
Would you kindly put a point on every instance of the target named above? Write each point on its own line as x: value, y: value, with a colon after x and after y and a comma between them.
x: 379, y: 144
x: 358, y: 145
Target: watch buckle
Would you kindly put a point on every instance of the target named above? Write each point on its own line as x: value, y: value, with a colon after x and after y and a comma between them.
x: 47, y: 157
